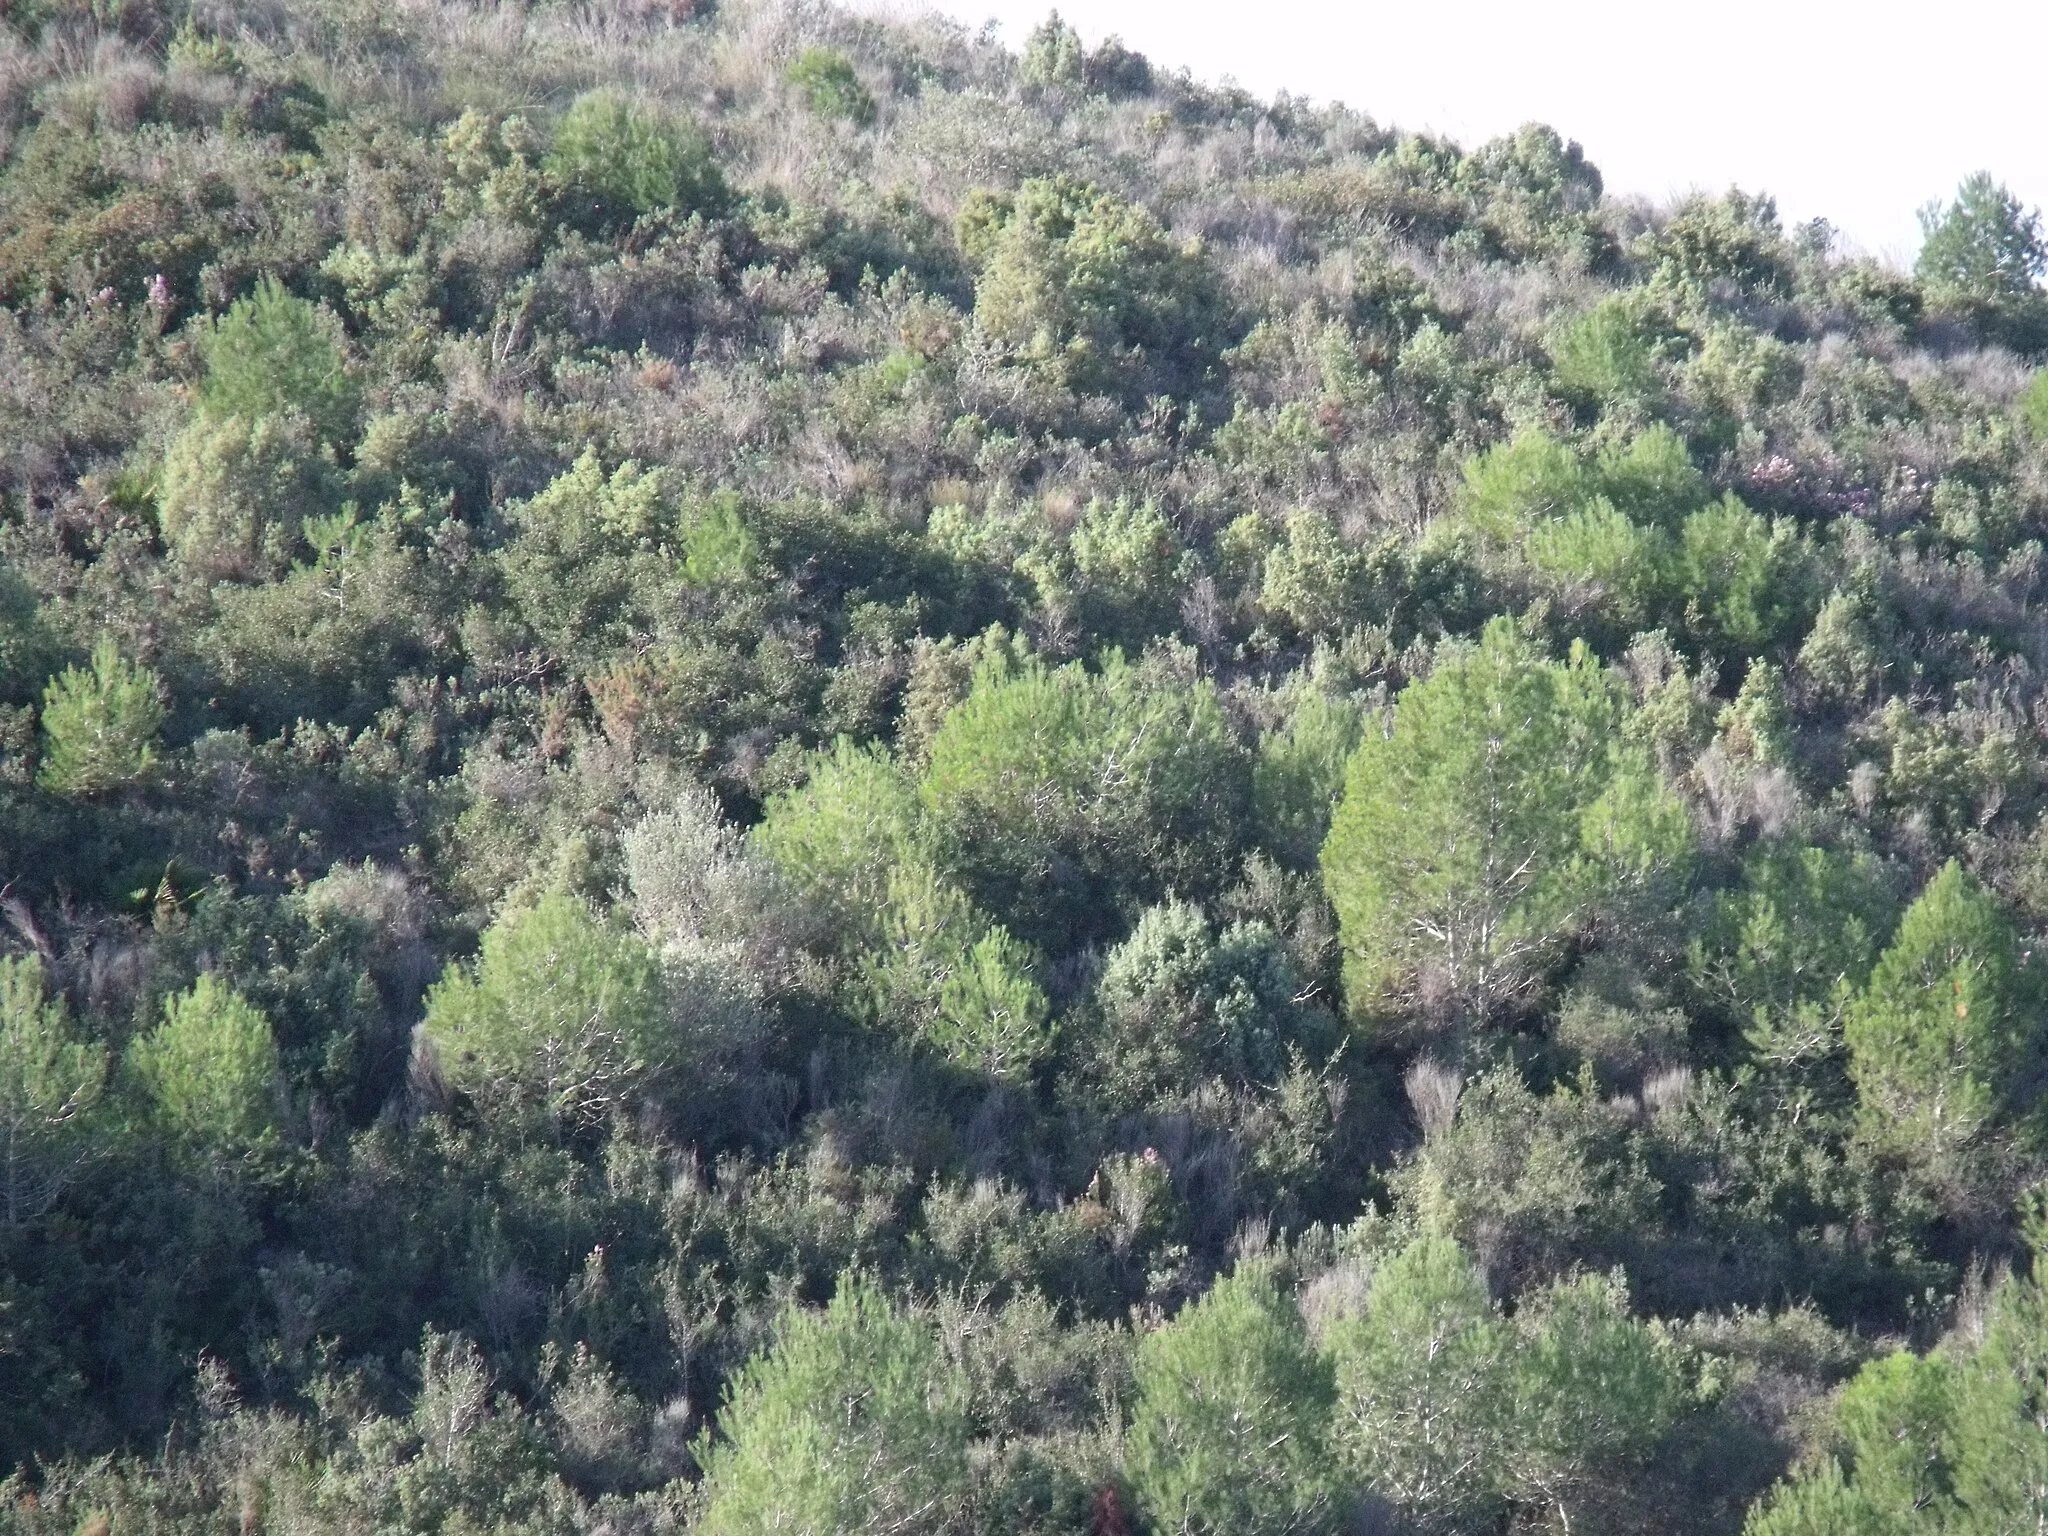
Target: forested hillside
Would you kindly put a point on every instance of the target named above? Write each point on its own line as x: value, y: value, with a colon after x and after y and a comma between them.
x: 764, y: 771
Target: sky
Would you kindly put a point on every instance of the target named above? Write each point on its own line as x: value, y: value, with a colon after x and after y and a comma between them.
x: 1857, y: 113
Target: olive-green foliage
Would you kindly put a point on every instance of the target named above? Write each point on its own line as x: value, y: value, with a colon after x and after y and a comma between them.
x: 1454, y: 1414
x: 1950, y: 1440
x: 719, y: 550
x: 1637, y: 528
x: 1059, y: 795
x: 1053, y: 54
x: 207, y: 1076
x: 1179, y: 1003
x: 1590, y: 1393
x: 1228, y: 1432
x: 826, y: 80
x: 327, y: 641
x: 618, y: 158
x: 1734, y: 238
x: 274, y: 354
x: 1316, y: 581
x: 25, y: 643
x: 100, y: 726
x: 2033, y: 405
x: 50, y: 1082
x: 932, y: 537
x: 594, y: 559
x: 1538, y: 1178
x: 1129, y: 566
x: 1499, y: 814
x: 1744, y: 577
x: 236, y: 492
x: 853, y: 1421
x: 1077, y: 282
x: 1631, y: 529
x: 942, y: 975
x: 1530, y: 477
x: 1300, y: 773
x: 561, y: 1013
x: 1984, y: 256
x: 992, y: 1015
x: 1788, y: 947
x: 1420, y: 1417
x: 1945, y: 1029
x: 1541, y: 192
x: 1595, y: 550
x: 839, y: 836
x: 1616, y: 354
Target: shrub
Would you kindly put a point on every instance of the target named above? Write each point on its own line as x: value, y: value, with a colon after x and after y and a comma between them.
x: 25, y: 642
x: 274, y: 354
x: 838, y: 837
x: 594, y: 559
x: 1053, y: 55
x: 1946, y: 1027
x: 1316, y: 581
x: 1455, y: 1415
x: 237, y: 491
x: 2033, y: 405
x: 617, y: 159
x: 1747, y: 579
x: 1060, y: 795
x: 208, y: 1074
x: 1983, y: 256
x: 1734, y: 238
x: 1788, y: 948
x: 1590, y: 1394
x: 1501, y: 811
x: 50, y: 1081
x: 1545, y: 1181
x: 1179, y: 1004
x: 100, y: 726
x: 992, y: 1014
x: 1420, y: 1406
x: 852, y: 1422
x: 1951, y: 1439
x: 561, y: 1014
x: 1227, y: 1436
x: 1129, y: 567
x: 942, y: 976
x: 1299, y: 775
x: 1616, y: 354
x: 1080, y: 284
x: 825, y: 79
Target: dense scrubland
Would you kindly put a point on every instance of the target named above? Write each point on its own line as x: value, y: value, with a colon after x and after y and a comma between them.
x: 764, y: 771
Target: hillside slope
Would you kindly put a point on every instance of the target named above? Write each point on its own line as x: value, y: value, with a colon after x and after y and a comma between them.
x: 760, y: 770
